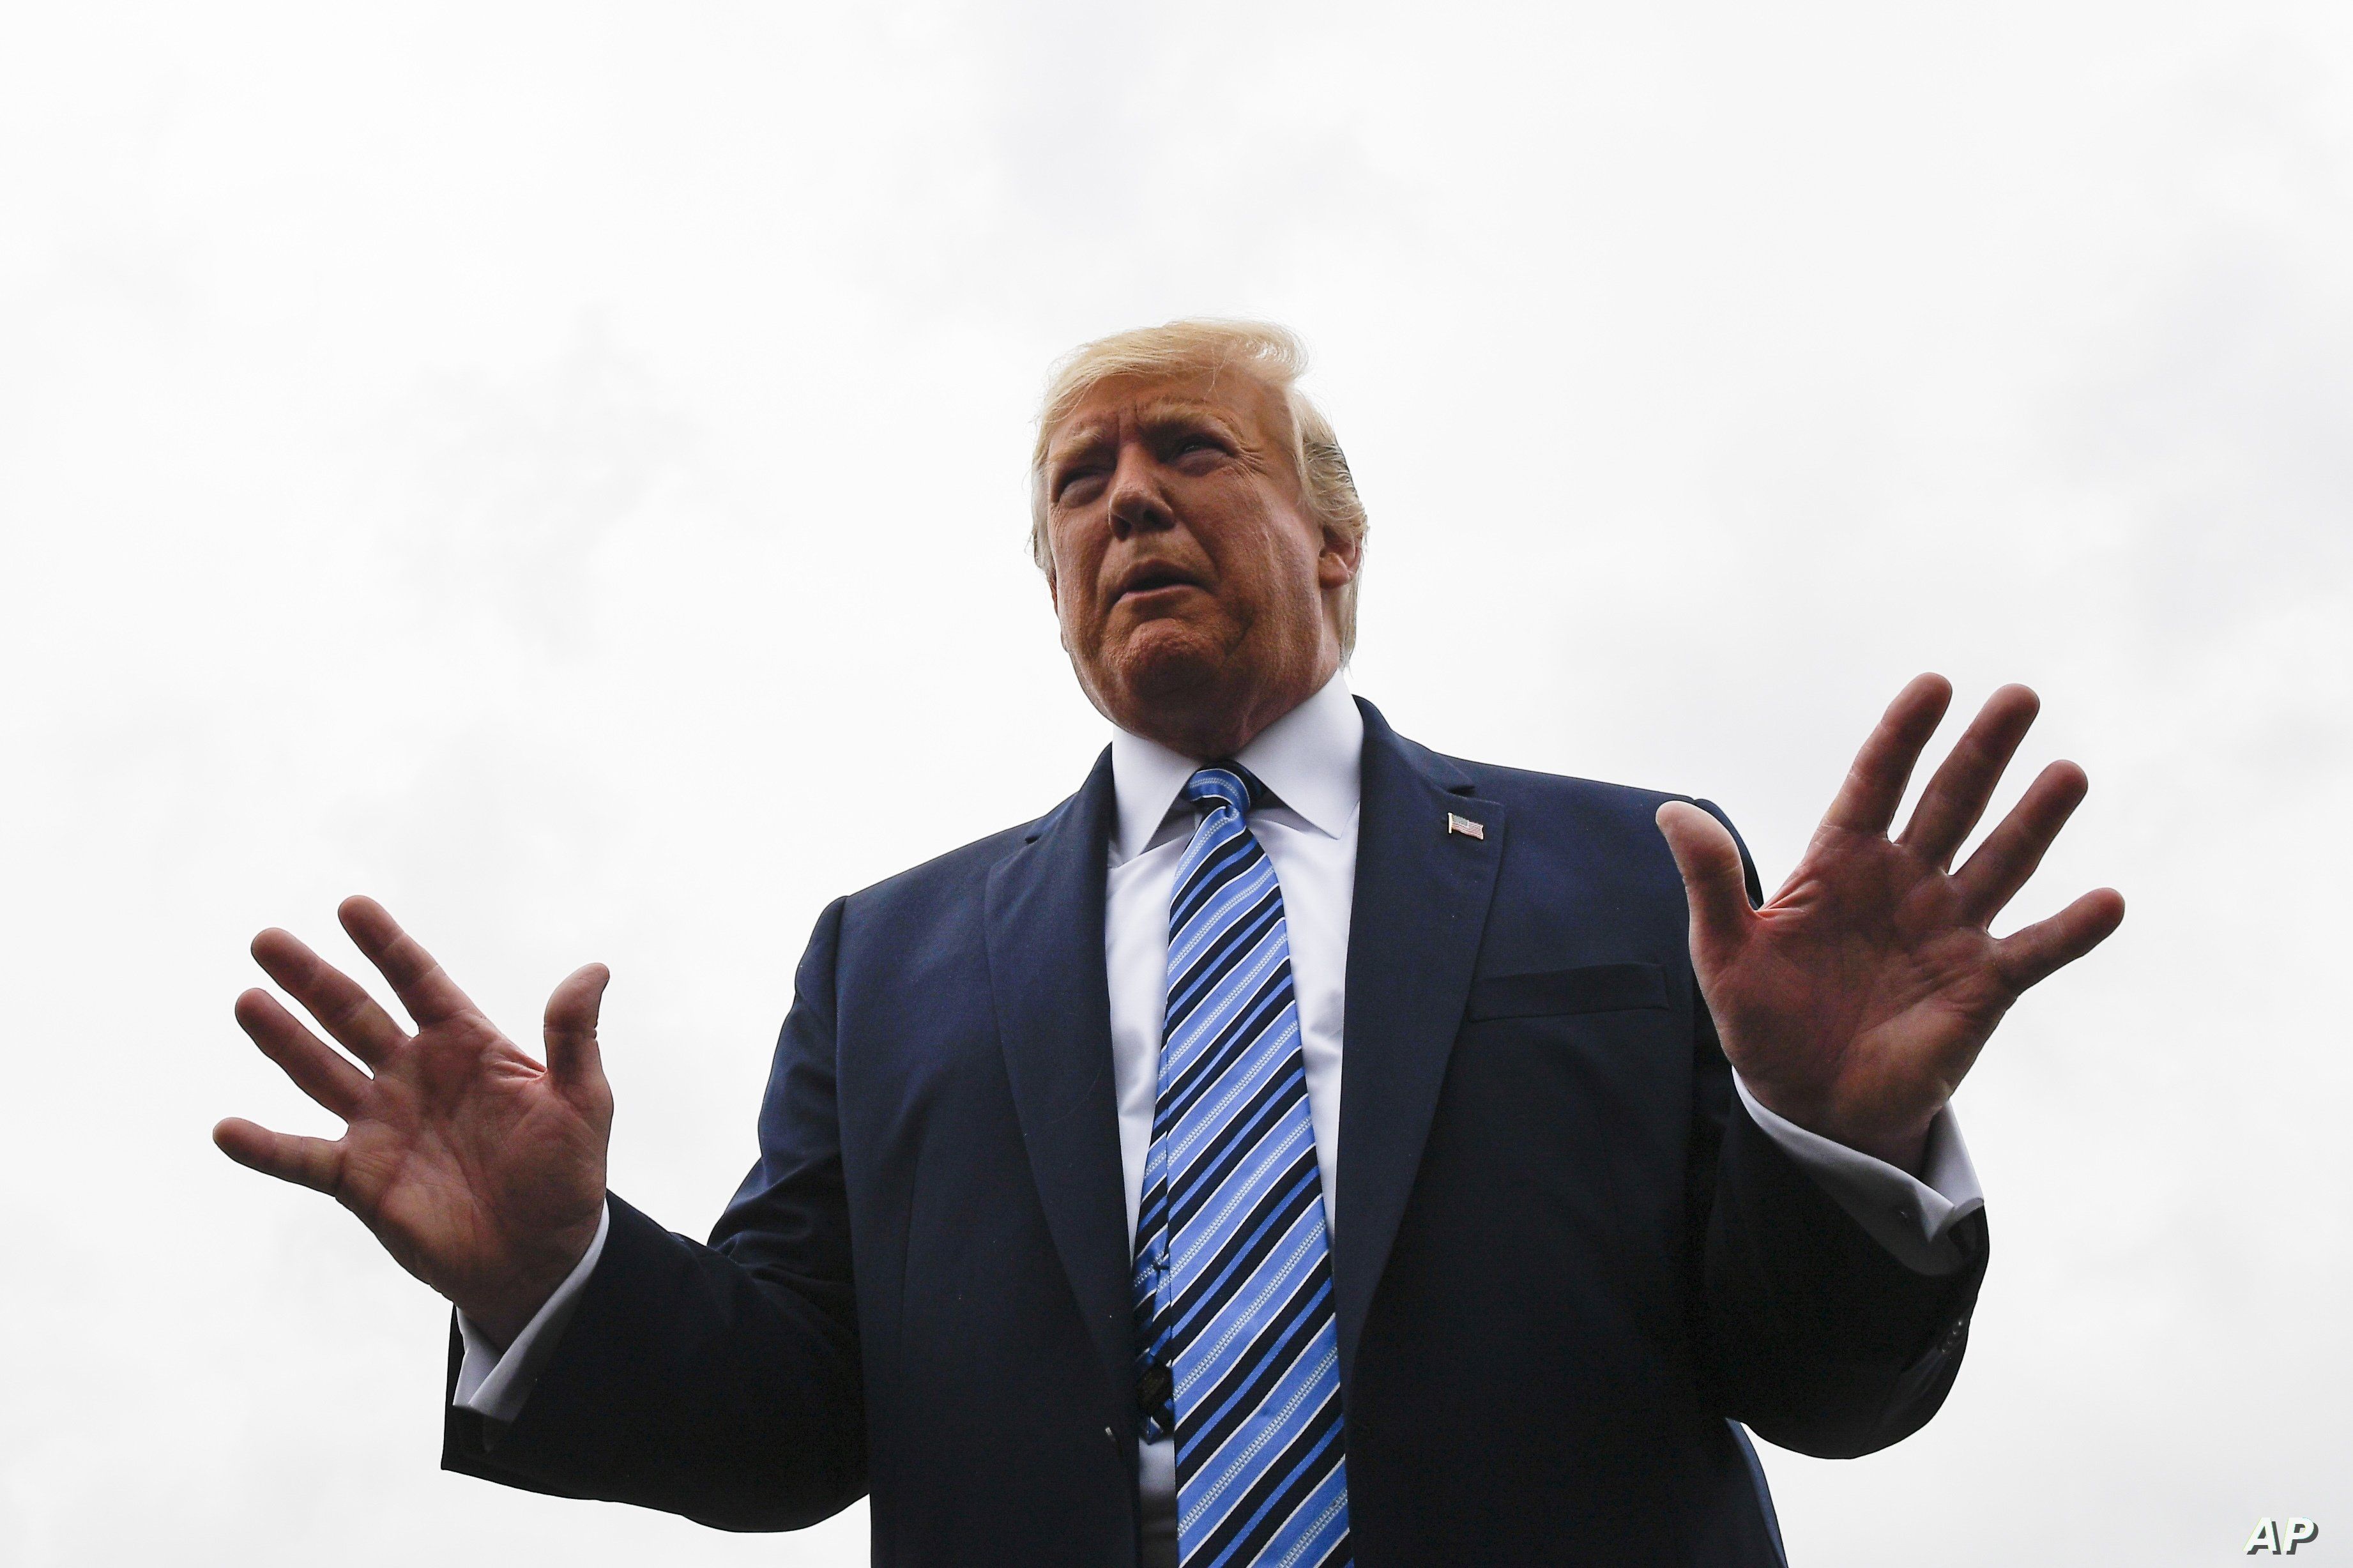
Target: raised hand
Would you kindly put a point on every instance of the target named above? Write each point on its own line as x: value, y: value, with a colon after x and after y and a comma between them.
x: 480, y: 1171
x: 1854, y: 1001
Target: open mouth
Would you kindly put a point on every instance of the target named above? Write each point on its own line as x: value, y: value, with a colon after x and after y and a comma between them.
x: 1155, y: 580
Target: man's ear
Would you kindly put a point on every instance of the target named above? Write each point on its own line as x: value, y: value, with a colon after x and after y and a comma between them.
x: 1054, y: 599
x: 1336, y: 563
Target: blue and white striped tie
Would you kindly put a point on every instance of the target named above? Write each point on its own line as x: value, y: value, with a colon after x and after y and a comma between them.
x: 1237, y: 1354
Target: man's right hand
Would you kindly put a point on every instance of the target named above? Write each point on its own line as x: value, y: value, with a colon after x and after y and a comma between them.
x: 480, y: 1171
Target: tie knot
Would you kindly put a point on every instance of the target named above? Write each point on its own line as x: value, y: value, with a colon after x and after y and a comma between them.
x: 1224, y: 784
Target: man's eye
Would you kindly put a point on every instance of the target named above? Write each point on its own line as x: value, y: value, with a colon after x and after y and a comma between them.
x: 1076, y: 480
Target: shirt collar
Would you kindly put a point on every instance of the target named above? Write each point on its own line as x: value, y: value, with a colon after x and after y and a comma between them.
x: 1312, y: 758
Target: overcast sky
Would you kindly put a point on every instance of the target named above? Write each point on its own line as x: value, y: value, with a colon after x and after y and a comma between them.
x: 561, y: 470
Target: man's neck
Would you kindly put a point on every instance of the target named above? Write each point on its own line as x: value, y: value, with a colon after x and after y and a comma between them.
x: 1219, y: 727
x: 1310, y: 757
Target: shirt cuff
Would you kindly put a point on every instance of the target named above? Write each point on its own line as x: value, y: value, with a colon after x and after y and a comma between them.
x: 1911, y: 1216
x: 494, y: 1384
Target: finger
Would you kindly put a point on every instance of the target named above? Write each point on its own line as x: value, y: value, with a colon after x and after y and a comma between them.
x: 1991, y: 877
x: 1709, y: 859
x: 341, y: 1004
x: 317, y: 1069
x: 1957, y: 794
x: 1866, y: 802
x: 2029, y: 956
x: 573, y: 1059
x: 423, y: 987
x: 311, y: 1162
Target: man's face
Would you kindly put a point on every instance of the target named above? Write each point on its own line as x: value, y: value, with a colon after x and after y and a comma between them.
x: 1188, y: 579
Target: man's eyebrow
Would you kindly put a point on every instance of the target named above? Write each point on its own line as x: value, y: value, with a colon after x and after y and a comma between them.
x: 1070, y: 443
x: 1160, y: 414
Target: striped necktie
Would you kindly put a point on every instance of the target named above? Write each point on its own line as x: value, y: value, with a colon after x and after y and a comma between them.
x: 1237, y: 1354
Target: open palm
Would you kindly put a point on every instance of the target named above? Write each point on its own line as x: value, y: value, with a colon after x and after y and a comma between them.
x: 480, y: 1170
x: 1857, y: 998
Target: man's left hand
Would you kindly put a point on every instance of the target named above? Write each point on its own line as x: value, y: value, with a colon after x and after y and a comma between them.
x: 1855, y: 1001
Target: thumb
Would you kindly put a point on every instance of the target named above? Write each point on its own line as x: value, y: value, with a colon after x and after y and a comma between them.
x: 571, y: 1027
x: 1709, y: 859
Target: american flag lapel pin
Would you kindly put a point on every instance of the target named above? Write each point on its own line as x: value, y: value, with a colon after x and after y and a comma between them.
x: 1465, y: 827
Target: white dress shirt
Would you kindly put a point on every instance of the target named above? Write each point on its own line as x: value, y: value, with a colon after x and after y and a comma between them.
x: 1310, y: 760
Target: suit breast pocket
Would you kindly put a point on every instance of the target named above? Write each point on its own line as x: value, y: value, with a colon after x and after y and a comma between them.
x: 1552, y: 993
x: 1565, y: 1117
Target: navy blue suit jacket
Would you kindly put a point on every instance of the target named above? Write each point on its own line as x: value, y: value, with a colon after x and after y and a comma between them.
x: 1564, y: 1255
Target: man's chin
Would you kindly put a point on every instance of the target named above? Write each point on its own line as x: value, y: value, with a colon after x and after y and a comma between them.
x: 1164, y: 667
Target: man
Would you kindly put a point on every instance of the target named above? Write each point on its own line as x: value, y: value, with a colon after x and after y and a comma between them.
x: 1501, y: 1301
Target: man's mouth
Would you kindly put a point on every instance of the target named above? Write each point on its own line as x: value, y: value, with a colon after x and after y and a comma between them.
x: 1155, y: 580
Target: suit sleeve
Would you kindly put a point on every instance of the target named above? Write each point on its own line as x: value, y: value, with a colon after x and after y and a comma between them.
x: 1810, y: 1332
x: 720, y: 1382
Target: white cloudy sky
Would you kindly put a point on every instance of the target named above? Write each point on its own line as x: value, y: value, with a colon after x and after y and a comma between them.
x: 560, y: 469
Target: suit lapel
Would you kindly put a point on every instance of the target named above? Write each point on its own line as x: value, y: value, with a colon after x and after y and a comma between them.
x: 1421, y: 908
x: 1045, y: 924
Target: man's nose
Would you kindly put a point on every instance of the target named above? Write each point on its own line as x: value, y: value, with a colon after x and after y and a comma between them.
x: 1138, y: 504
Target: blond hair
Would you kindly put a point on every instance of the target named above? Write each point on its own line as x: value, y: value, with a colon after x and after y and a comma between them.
x: 1270, y: 354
